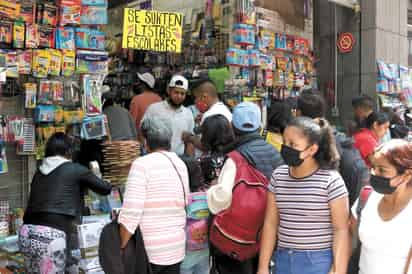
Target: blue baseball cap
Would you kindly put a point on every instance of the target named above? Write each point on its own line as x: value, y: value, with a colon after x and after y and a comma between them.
x: 247, y: 117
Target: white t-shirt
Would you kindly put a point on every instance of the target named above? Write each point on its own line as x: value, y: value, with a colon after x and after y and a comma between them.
x: 181, y: 121
x: 218, y: 109
x: 385, y: 245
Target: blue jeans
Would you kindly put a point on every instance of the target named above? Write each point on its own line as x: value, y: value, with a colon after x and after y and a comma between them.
x: 288, y: 261
x: 201, y: 267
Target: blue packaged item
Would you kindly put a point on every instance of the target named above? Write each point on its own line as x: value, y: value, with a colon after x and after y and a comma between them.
x: 65, y: 38
x: 89, y: 39
x: 384, y: 71
x: 99, y: 3
x: 254, y: 58
x: 232, y: 57
x: 44, y: 113
x: 244, y: 34
x: 91, y: 15
x: 93, y: 128
x: 94, y: 62
x: 280, y: 41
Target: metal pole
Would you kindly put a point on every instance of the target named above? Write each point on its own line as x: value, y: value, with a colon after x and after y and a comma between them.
x: 336, y: 59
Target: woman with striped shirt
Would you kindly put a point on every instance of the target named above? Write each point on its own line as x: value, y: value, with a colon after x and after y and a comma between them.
x: 307, y: 214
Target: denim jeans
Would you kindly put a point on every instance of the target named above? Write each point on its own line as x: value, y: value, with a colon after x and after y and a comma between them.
x: 288, y: 261
x: 201, y: 267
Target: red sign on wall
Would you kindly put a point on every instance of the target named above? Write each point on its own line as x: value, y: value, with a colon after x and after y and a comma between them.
x: 346, y: 42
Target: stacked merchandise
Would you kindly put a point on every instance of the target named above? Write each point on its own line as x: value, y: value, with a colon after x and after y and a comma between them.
x: 89, y: 236
x: 4, y: 219
x: 394, y: 87
x: 56, y: 50
x: 266, y: 57
x: 118, y: 157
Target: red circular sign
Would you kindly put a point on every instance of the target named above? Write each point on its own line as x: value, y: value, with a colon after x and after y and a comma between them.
x: 346, y: 41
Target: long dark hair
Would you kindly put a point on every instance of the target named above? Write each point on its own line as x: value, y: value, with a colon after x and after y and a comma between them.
x: 319, y: 132
x: 381, y: 118
x: 216, y: 133
x: 59, y: 144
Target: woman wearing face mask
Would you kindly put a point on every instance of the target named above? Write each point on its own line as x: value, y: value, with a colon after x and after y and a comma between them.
x: 386, y: 224
x: 307, y: 213
x: 367, y: 139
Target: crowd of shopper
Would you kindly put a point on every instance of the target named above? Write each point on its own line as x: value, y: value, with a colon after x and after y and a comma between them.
x: 211, y: 195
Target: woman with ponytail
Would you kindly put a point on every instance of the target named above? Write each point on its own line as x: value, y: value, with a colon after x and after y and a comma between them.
x: 307, y: 216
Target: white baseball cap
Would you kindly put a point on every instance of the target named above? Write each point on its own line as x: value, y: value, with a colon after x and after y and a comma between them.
x: 147, y: 78
x: 179, y: 81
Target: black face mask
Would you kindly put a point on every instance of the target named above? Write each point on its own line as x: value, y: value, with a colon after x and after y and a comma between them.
x: 382, y: 185
x: 291, y: 156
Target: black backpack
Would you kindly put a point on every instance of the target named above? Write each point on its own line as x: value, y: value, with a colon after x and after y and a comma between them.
x: 352, y: 167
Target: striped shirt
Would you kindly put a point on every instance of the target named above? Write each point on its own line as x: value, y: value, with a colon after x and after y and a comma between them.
x: 304, y: 213
x: 154, y: 201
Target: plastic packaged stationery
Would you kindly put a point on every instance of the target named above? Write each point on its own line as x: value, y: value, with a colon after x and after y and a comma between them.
x: 65, y: 38
x: 44, y: 113
x: 30, y: 90
x: 68, y: 62
x: 45, y: 95
x: 27, y: 11
x: 56, y: 88
x: 69, y: 12
x: 100, y: 3
x: 90, y: 39
x: 55, y: 62
x: 92, y: 15
x: 9, y: 9
x: 41, y: 63
x: 46, y: 36
x: 95, y: 62
x: 32, y: 36
x: 18, y: 35
x: 91, y: 85
x: 49, y: 14
x: 11, y: 63
x: 6, y: 32
x: 24, y: 61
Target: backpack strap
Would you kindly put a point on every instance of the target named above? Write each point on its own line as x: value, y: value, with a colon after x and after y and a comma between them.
x: 363, y: 199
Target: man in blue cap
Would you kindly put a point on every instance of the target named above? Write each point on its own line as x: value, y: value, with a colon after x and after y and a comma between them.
x: 246, y: 122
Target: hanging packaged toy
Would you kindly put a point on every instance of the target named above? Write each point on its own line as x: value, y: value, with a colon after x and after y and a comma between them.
x: 11, y: 63
x: 384, y: 71
x: 48, y: 14
x: 69, y: 12
x: 65, y: 38
x: 254, y: 58
x: 9, y: 9
x: 18, y: 35
x: 290, y: 43
x: 41, y: 63
x: 93, y: 15
x: 55, y: 62
x: 45, y: 95
x: 56, y: 88
x: 244, y: 34
x: 71, y: 92
x: 93, y: 127
x: 266, y: 40
x: 32, y: 36
x: 95, y: 62
x: 68, y: 62
x: 46, y: 36
x: 89, y: 39
x: 6, y: 32
x: 24, y: 60
x: 27, y: 11
x: 44, y: 114
x: 280, y: 42
x: 92, y: 85
x: 232, y: 57
x: 30, y: 90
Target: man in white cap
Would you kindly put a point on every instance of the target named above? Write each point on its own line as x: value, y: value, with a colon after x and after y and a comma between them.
x: 172, y: 108
x: 141, y: 102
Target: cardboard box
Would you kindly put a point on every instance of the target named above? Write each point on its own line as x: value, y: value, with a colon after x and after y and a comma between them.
x: 89, y: 234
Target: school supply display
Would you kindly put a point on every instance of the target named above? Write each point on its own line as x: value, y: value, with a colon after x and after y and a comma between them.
x: 68, y: 62
x: 89, y: 39
x: 93, y: 15
x: 94, y: 62
x: 93, y: 127
x: 30, y: 91
x: 69, y: 12
x: 47, y: 36
x: 32, y: 36
x: 18, y: 35
x: 65, y: 38
x: 91, y: 85
x: 41, y: 63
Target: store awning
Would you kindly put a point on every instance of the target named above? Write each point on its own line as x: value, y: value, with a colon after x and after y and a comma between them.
x: 292, y: 11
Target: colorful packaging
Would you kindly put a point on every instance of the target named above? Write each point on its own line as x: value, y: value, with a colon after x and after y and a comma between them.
x: 91, y: 85
x: 280, y: 41
x: 9, y: 9
x: 68, y: 62
x: 90, y: 39
x: 94, y: 62
x: 290, y: 43
x: 266, y: 40
x: 93, y: 127
x: 44, y: 114
x: 49, y: 14
x: 56, y: 88
x: 41, y: 63
x: 27, y: 11
x: 47, y: 36
x: 18, y: 35
x: 253, y: 58
x: 384, y: 70
x: 59, y: 118
x: 11, y: 63
x: 65, y: 38
x: 30, y: 90
x: 244, y: 34
x: 24, y: 61
x: 32, y: 36
x: 91, y: 15
x: 73, y: 116
x: 99, y: 3
x: 45, y: 95
x: 69, y: 12
x: 55, y: 62
x: 6, y: 32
